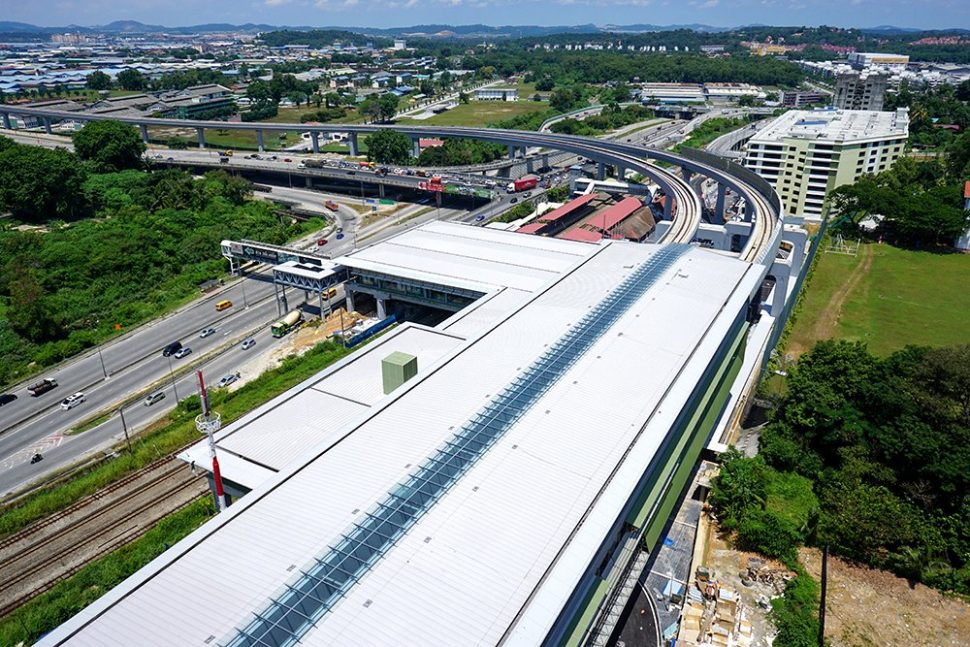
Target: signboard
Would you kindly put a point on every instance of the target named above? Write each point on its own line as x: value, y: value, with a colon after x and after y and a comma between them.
x: 428, y: 186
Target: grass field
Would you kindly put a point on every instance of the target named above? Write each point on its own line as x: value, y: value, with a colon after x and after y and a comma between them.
x: 887, y: 297
x: 479, y: 113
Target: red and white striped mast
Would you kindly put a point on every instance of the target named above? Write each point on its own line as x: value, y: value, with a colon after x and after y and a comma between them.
x: 209, y: 422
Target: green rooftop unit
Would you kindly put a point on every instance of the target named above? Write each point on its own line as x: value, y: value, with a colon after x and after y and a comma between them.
x: 396, y: 369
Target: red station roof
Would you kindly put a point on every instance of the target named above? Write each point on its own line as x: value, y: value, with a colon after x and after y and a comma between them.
x: 592, y: 230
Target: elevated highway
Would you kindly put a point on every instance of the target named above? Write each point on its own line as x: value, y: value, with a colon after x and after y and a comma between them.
x: 762, y: 207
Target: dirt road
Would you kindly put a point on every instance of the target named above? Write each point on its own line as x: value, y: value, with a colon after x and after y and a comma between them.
x: 827, y: 321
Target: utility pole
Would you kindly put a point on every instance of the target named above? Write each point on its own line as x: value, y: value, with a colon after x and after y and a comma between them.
x: 121, y: 412
x: 821, y: 605
x: 103, y: 369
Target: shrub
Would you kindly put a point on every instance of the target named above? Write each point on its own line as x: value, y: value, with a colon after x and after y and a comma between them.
x: 770, y: 534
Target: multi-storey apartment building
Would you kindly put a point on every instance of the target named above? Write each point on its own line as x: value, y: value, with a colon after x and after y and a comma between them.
x: 807, y: 153
x: 860, y: 90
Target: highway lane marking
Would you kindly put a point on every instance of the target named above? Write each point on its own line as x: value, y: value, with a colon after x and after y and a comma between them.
x: 24, y: 455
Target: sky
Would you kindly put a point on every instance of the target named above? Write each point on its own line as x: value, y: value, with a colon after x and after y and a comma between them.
x: 929, y: 14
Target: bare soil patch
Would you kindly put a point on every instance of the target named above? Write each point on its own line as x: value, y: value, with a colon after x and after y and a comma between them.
x: 868, y: 607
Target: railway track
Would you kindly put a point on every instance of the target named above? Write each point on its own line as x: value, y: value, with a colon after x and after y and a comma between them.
x: 87, y: 501
x: 39, y: 564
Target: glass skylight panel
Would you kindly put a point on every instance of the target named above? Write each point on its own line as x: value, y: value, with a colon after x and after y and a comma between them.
x: 285, y: 619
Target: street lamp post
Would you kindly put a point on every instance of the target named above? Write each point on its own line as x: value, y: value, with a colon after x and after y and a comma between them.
x: 242, y: 284
x: 124, y: 426
x: 103, y: 369
x: 171, y: 373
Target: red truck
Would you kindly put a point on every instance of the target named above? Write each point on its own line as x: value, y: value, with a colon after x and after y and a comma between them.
x: 524, y: 183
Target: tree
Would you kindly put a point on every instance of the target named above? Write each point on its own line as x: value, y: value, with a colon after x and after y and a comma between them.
x: 740, y: 488
x: 958, y: 157
x: 545, y: 84
x: 370, y: 108
x: 388, y: 105
x: 30, y: 313
x: 259, y: 96
x: 389, y: 147
x: 110, y: 145
x: 486, y: 72
x: 40, y: 184
x: 131, y: 79
x: 98, y: 80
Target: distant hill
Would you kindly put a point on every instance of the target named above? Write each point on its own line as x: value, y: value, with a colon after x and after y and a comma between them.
x: 419, y: 31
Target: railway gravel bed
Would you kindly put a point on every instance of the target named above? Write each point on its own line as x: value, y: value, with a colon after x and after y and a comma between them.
x: 54, y: 548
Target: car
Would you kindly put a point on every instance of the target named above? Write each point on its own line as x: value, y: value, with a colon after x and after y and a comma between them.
x: 152, y: 398
x: 205, y: 333
x: 274, y: 157
x: 72, y: 401
x: 227, y: 379
x: 321, y: 242
x: 339, y: 236
x: 340, y: 230
x: 170, y: 159
x: 527, y: 194
x: 513, y: 200
x: 287, y: 160
x: 479, y: 218
x: 6, y: 398
x: 301, y: 165
x: 171, y: 348
x: 36, y: 458
x: 182, y: 352
x: 248, y: 343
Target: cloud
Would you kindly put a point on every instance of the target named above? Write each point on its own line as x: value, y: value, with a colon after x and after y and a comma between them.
x: 275, y: 3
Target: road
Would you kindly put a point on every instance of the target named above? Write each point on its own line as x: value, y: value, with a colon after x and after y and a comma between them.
x: 135, y: 365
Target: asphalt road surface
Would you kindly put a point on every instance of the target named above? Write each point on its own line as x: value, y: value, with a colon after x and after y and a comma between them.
x: 134, y: 362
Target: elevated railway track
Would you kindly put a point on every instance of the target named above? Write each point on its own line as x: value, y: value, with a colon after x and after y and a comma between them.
x: 684, y: 210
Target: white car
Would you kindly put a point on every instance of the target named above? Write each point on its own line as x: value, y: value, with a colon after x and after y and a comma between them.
x: 248, y: 343
x: 182, y: 352
x: 72, y: 401
x: 227, y: 380
x: 208, y: 331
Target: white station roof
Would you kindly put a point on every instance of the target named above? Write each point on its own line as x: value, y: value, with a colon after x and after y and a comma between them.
x: 496, y: 555
x: 475, y: 258
x: 265, y: 440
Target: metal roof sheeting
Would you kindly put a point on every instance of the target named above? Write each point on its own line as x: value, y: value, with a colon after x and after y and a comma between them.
x: 504, y: 546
